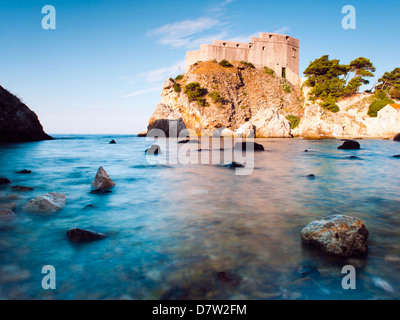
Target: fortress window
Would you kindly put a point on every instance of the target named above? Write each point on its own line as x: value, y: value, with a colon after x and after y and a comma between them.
x: 263, y: 48
x: 224, y: 44
x: 293, y: 53
x: 250, y: 46
x: 283, y: 72
x: 238, y: 45
x: 287, y: 38
x: 270, y: 36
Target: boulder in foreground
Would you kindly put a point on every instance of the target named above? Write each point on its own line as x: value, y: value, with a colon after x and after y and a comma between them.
x: 102, y: 181
x: 4, y: 181
x: 350, y: 145
x: 17, y: 122
x: 49, y: 202
x: 337, y: 235
x: 80, y: 235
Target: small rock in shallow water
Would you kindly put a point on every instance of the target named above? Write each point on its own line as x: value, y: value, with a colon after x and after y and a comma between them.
x: 382, y: 284
x: 234, y: 165
x: 25, y: 171
x: 153, y: 150
x: 249, y: 145
x: 354, y: 158
x: 22, y: 189
x: 101, y: 191
x: 311, y: 176
x: 396, y: 137
x: 350, y: 145
x: 112, y: 142
x: 338, y: 235
x: 228, y: 279
x: 396, y: 156
x: 50, y: 202
x: 304, y: 271
x: 102, y: 180
x: 7, y: 215
x: 8, y: 206
x: 81, y: 235
x: 4, y: 181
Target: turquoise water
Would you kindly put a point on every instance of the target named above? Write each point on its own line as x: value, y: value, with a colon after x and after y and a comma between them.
x: 172, y: 228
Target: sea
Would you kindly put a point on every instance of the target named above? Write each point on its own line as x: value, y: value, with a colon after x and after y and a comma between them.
x: 198, y: 230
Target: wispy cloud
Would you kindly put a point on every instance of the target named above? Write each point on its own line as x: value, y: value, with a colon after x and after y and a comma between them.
x: 283, y: 29
x: 142, y: 92
x: 160, y: 74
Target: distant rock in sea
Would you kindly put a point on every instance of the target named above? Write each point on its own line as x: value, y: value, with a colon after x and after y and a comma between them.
x: 17, y: 122
x: 7, y: 215
x: 22, y: 188
x: 397, y: 137
x: 25, y: 171
x: 244, y: 146
x: 350, y: 145
x: 81, y: 235
x: 4, y: 181
x: 112, y: 142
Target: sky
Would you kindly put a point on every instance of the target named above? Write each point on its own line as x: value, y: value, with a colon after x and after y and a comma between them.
x: 102, y: 68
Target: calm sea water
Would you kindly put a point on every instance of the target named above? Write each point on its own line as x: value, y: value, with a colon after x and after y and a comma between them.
x: 171, y: 229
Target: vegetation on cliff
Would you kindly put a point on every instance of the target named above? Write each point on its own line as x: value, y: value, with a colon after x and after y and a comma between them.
x: 331, y: 81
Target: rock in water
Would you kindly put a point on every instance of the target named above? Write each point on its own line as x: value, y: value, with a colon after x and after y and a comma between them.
x: 25, y: 171
x: 165, y: 118
x: 7, y: 215
x: 112, y: 142
x: 17, y: 122
x: 22, y: 188
x: 396, y: 137
x: 154, y: 150
x: 4, y: 181
x: 305, y: 271
x: 50, y: 202
x: 249, y: 145
x: 80, y: 235
x: 338, y: 235
x: 234, y: 165
x: 102, y: 181
x: 350, y: 145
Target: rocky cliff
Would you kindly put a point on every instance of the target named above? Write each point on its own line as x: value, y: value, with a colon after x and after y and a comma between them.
x: 240, y: 100
x: 17, y: 122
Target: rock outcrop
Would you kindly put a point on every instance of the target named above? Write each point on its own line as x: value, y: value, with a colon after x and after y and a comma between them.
x: 102, y: 181
x: 236, y: 101
x: 81, y: 235
x: 50, y: 202
x: 338, y: 235
x: 17, y: 122
x: 349, y: 145
x: 4, y: 181
x: 167, y: 119
x: 397, y: 137
x: 7, y: 215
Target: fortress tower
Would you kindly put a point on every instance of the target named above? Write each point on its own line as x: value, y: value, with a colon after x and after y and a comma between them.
x: 275, y: 51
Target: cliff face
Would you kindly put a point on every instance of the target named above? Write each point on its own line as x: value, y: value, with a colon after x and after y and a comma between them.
x: 247, y: 98
x: 251, y: 100
x: 17, y: 122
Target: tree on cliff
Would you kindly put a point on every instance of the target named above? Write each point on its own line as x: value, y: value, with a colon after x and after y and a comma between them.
x: 390, y: 82
x: 330, y: 80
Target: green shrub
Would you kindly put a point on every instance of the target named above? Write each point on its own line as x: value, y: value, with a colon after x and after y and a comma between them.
x: 249, y: 64
x: 286, y: 87
x: 381, y: 100
x: 177, y: 87
x: 216, y: 97
x: 225, y: 63
x: 180, y: 77
x: 214, y: 60
x: 269, y: 71
x: 195, y: 92
x: 294, y: 121
x: 330, y: 104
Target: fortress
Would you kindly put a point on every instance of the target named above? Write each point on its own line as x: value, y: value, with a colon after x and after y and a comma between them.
x: 275, y: 51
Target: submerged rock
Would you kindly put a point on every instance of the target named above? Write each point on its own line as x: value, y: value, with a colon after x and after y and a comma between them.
x: 101, y: 191
x: 154, y: 150
x: 8, y: 206
x: 22, y: 188
x: 81, y: 235
x: 396, y: 137
x: 50, y: 202
x: 382, y: 284
x: 102, y: 180
x: 112, y: 142
x: 7, y: 215
x: 25, y: 171
x: 396, y: 156
x: 305, y: 271
x: 231, y: 280
x: 311, y: 176
x: 234, y: 165
x: 338, y: 235
x: 249, y: 145
x: 4, y: 181
x: 350, y: 145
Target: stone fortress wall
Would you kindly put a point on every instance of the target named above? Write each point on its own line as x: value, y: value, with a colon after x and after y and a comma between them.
x: 275, y: 51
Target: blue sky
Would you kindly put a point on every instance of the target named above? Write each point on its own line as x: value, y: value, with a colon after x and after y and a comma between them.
x: 102, y: 69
